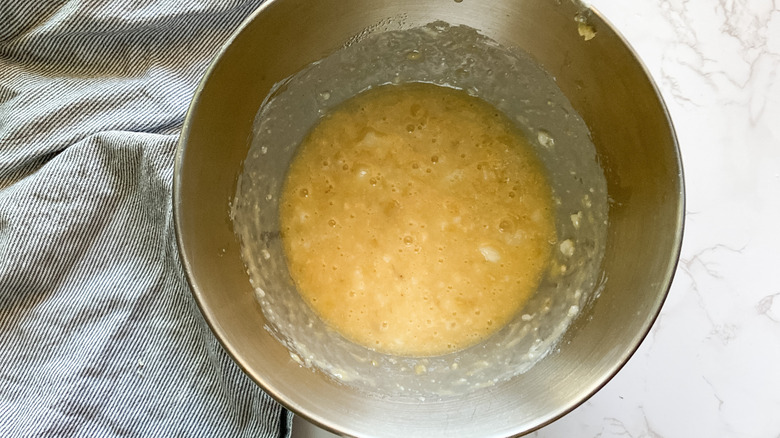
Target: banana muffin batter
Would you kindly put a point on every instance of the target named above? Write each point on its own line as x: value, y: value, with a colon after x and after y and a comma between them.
x: 416, y: 219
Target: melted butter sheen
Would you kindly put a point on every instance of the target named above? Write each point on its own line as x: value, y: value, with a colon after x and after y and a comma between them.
x: 416, y: 219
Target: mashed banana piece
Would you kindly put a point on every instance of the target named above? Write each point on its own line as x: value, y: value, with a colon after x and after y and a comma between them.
x: 416, y: 219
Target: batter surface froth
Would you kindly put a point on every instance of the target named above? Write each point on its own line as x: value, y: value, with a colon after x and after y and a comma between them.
x: 416, y: 219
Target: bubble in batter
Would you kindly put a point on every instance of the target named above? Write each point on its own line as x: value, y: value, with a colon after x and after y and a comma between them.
x: 416, y: 219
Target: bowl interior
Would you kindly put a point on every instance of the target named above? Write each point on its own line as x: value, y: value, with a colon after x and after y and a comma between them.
x: 637, y: 150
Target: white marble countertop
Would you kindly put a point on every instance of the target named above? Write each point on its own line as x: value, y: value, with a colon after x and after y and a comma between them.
x: 710, y: 366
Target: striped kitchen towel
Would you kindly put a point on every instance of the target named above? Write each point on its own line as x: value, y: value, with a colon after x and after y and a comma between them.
x: 99, y: 334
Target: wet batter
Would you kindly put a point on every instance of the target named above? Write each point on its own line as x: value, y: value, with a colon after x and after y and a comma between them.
x: 416, y: 219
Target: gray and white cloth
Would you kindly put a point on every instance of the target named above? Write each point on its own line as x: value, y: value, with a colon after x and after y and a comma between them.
x: 99, y: 334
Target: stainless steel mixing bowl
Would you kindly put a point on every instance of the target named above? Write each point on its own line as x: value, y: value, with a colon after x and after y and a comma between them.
x: 637, y: 149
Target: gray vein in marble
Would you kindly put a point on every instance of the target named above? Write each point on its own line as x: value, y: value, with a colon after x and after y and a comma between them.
x: 765, y: 305
x: 698, y: 49
x: 714, y: 393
